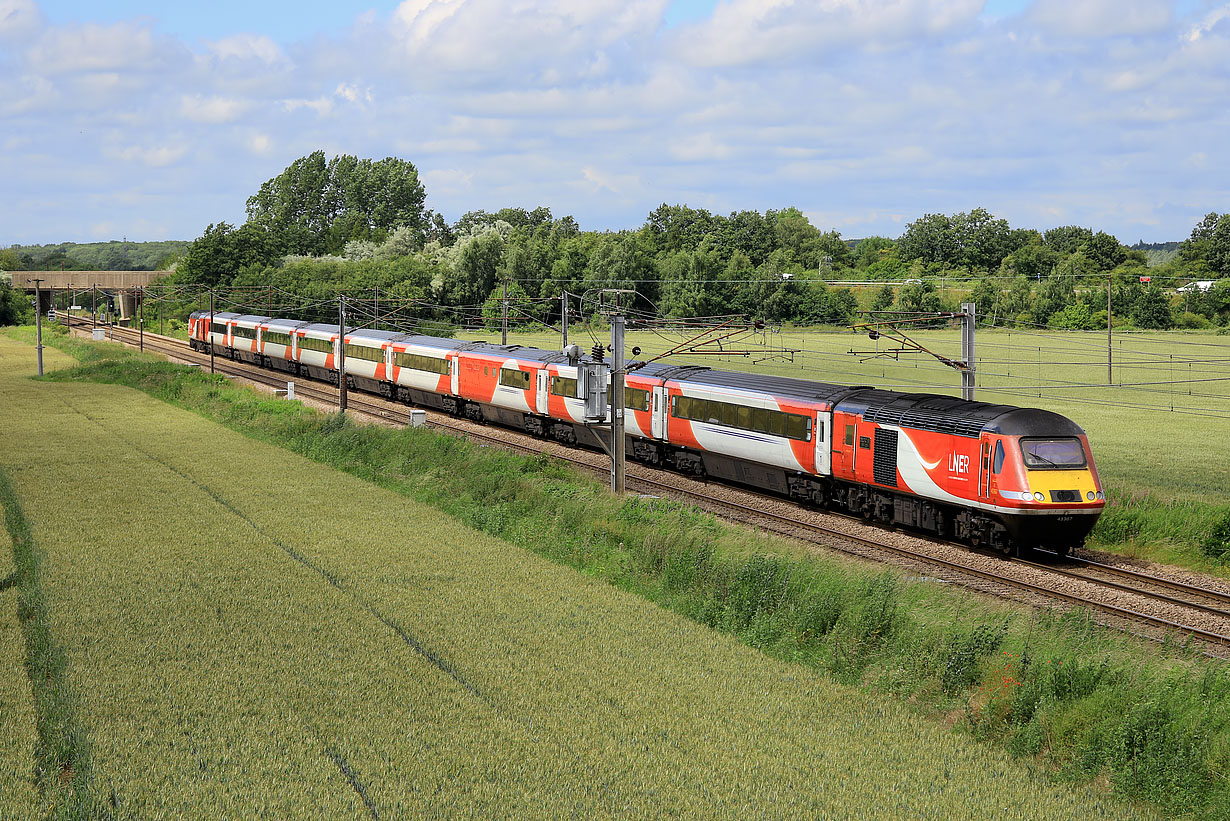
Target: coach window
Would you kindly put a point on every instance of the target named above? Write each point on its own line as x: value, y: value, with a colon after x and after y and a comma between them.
x: 796, y: 426
x: 998, y: 465
x: 512, y: 378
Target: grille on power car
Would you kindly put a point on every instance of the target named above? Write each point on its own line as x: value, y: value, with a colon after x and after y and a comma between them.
x: 884, y: 459
x: 1065, y: 495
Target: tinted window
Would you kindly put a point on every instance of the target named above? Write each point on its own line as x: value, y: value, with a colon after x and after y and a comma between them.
x: 564, y: 386
x: 1053, y: 453
x: 998, y: 464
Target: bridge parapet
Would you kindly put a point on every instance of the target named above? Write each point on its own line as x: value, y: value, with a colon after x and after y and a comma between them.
x: 81, y: 280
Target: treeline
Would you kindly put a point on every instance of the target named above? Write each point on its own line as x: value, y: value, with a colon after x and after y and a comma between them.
x: 325, y: 225
x: 93, y: 256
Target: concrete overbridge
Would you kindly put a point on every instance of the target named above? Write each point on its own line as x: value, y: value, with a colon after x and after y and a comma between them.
x: 123, y: 285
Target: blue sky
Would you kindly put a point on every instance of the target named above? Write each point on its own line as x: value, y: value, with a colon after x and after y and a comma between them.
x: 151, y: 120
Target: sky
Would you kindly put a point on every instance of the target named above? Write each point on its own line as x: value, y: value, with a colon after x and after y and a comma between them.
x: 150, y: 120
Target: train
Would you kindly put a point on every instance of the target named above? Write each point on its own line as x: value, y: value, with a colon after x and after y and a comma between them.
x: 992, y: 476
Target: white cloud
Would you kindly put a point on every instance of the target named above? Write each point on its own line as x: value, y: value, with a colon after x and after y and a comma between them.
x: 19, y: 19
x: 323, y: 106
x: 1209, y: 22
x: 96, y: 48
x: 472, y: 37
x: 247, y: 47
x: 776, y: 31
x: 448, y: 181
x: 598, y: 181
x: 212, y: 110
x: 155, y: 156
x: 351, y: 93
x: 260, y: 143
x: 1100, y: 18
x: 27, y: 94
x: 700, y: 148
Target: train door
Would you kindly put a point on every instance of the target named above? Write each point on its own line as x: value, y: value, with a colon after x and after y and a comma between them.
x: 542, y: 390
x: 984, y: 470
x: 454, y: 367
x: 844, y: 444
x: 657, y: 422
x: 821, y: 435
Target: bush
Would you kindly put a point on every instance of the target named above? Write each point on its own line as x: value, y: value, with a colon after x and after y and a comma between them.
x: 1217, y: 544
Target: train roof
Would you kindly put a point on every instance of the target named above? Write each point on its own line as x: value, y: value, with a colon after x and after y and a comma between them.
x: 320, y: 328
x: 783, y: 386
x: 289, y: 324
x: 424, y: 341
x: 218, y: 314
x: 953, y: 415
x: 370, y: 333
x: 1034, y: 422
x: 515, y: 351
x: 252, y: 318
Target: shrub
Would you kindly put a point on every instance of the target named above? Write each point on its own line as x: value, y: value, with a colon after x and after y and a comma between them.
x: 1217, y: 544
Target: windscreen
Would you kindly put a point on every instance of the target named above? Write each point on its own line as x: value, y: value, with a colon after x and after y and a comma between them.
x: 1053, y: 453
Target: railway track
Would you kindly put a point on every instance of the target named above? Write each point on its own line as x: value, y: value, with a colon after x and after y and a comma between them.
x: 1143, y: 603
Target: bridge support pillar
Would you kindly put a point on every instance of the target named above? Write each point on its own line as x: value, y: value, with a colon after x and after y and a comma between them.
x: 127, y: 305
x: 44, y: 301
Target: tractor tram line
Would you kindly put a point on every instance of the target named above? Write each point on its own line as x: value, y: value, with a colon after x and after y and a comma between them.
x: 1148, y: 605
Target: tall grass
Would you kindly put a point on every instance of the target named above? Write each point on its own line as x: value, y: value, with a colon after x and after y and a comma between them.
x: 62, y: 752
x: 1054, y: 688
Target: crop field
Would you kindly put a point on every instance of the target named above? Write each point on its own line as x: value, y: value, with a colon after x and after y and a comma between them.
x: 256, y: 634
x: 17, y: 719
x: 1158, y: 434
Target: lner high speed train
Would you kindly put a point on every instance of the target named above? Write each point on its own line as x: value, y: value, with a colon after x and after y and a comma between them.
x: 989, y: 475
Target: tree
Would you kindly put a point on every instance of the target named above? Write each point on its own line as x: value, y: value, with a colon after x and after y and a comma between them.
x: 871, y: 250
x: 9, y: 260
x: 15, y: 308
x: 984, y: 240
x: 678, y: 227
x: 218, y: 255
x: 1153, y: 310
x: 1209, y: 243
x: 1058, y: 290
x: 919, y: 297
x: 474, y: 269
x: 1066, y: 239
x: 1033, y: 261
x: 930, y: 238
x: 884, y: 298
x: 1103, y: 251
x: 1076, y: 317
x: 523, y: 311
x: 316, y: 205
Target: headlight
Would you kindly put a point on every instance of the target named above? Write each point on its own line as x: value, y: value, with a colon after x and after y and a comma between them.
x: 1089, y: 496
x: 1101, y: 496
x: 1038, y: 496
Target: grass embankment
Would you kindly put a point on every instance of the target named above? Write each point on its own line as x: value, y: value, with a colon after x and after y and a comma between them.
x: 1159, y: 443
x: 1060, y: 691
x: 17, y: 718
x: 254, y: 634
x: 57, y: 759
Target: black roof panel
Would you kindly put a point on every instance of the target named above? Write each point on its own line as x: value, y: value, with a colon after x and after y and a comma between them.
x: 924, y: 411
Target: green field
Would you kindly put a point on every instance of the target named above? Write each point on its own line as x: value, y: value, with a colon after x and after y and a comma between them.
x: 247, y: 632
x: 1161, y: 449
